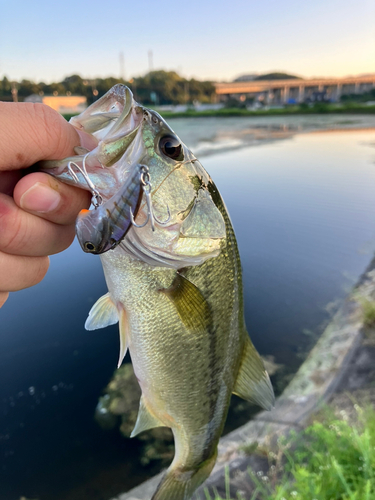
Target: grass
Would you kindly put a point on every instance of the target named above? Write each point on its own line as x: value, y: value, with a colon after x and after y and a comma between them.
x: 330, y: 460
x: 368, y: 311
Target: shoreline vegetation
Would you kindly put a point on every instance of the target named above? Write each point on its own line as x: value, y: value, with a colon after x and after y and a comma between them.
x: 302, y: 109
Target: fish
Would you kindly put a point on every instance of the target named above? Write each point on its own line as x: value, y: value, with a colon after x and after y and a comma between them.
x: 173, y: 271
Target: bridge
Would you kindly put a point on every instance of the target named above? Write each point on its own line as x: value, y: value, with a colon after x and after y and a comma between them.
x: 297, y: 90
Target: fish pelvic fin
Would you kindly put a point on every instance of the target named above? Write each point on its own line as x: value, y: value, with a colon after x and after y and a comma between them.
x: 180, y: 484
x: 253, y: 383
x: 191, y: 306
x: 103, y: 313
x: 145, y: 420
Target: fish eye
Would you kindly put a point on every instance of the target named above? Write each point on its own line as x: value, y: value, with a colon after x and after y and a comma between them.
x: 171, y: 147
x: 90, y: 247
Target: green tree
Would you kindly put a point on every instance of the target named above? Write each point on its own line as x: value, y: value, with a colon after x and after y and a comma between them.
x: 26, y: 88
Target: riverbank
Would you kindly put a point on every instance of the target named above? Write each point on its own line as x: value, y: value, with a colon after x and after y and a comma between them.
x: 304, y: 109
x: 341, y: 362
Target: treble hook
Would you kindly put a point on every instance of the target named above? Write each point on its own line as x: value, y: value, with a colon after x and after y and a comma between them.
x: 167, y: 220
x: 96, y: 199
x: 146, y: 186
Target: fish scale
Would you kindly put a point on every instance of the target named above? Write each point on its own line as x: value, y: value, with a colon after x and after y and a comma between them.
x: 174, y: 287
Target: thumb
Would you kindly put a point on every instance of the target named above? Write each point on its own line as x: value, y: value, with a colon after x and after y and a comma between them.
x: 31, y: 132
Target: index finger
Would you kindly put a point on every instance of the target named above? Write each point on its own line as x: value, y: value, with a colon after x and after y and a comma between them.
x: 32, y: 132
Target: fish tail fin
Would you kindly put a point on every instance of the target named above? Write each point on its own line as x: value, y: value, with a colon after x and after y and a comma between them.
x: 180, y: 484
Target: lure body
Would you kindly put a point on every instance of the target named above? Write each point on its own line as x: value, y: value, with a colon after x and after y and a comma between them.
x: 103, y: 228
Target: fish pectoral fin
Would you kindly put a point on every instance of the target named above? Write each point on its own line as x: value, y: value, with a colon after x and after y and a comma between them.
x: 253, y: 383
x: 191, y: 306
x: 145, y: 420
x: 103, y: 313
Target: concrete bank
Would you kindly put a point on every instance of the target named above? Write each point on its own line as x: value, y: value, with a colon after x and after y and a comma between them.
x: 340, y: 360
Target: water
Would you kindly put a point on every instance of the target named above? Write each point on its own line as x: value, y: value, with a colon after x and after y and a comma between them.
x: 303, y: 208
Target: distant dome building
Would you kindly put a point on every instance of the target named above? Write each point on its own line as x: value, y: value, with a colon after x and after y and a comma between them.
x: 246, y: 78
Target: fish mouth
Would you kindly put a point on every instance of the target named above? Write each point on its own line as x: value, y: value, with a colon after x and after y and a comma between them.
x: 113, y: 122
x: 108, y: 116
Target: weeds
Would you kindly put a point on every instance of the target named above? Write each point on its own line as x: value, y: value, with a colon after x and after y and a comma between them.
x: 330, y: 460
x: 368, y: 308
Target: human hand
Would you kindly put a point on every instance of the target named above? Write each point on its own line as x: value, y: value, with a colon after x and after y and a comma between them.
x: 37, y: 212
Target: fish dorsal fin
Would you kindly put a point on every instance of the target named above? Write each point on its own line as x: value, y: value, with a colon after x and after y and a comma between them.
x: 103, y: 313
x: 124, y: 335
x: 145, y: 420
x: 191, y: 306
x: 204, y: 219
x: 253, y: 383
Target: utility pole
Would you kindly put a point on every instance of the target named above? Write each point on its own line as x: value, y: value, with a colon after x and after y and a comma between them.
x: 150, y: 61
x: 122, y: 65
x: 14, y: 92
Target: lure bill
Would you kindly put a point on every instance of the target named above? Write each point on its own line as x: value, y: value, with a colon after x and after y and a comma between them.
x: 174, y: 287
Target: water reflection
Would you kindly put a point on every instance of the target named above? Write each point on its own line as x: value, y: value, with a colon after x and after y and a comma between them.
x: 304, y: 214
x: 207, y: 136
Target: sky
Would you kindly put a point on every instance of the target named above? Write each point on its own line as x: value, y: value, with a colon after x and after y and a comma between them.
x: 205, y: 39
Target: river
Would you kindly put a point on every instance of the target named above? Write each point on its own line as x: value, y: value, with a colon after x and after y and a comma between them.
x: 300, y: 192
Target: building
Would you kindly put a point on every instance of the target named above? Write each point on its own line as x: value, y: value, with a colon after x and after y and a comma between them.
x: 64, y: 104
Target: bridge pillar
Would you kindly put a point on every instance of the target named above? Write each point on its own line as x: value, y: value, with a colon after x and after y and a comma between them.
x: 301, y: 93
x: 338, y: 91
x: 285, y: 94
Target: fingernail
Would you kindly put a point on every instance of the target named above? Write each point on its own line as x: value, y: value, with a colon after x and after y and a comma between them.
x: 40, y: 198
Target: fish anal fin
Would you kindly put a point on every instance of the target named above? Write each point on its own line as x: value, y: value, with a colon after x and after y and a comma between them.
x: 103, y: 313
x: 253, y: 383
x: 124, y: 335
x: 191, y: 306
x: 145, y: 420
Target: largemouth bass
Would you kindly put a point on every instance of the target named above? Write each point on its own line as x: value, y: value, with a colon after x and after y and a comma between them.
x: 174, y: 282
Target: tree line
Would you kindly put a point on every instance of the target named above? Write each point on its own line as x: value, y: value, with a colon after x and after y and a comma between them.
x: 156, y: 87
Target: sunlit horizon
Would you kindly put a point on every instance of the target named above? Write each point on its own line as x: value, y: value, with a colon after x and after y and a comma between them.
x: 203, y: 39
x: 228, y: 79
